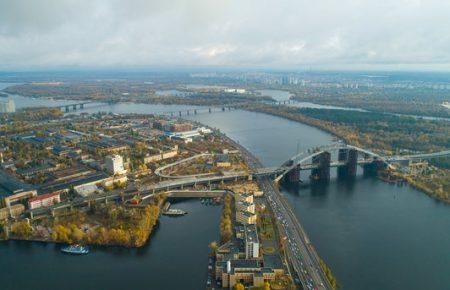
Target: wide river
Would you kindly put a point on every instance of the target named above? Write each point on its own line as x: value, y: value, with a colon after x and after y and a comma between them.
x: 372, y: 235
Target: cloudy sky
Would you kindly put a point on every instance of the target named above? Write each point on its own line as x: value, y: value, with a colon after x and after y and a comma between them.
x: 348, y: 34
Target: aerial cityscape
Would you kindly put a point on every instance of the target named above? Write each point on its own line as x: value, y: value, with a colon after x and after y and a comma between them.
x: 236, y: 146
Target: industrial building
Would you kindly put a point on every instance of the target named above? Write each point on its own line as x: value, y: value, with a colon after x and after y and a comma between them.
x: 44, y: 200
x: 12, y: 190
x: 13, y: 211
x: 249, y: 272
x: 114, y: 164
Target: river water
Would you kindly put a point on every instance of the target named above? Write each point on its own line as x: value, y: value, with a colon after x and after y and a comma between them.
x: 373, y: 235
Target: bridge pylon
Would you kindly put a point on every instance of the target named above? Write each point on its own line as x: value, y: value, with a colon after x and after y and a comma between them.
x: 350, y: 158
x: 322, y: 172
x: 293, y: 176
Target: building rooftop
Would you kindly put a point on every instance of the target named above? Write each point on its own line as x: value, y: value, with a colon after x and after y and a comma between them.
x: 10, y: 184
x: 245, y: 194
x: 246, y: 213
x: 66, y: 184
x: 43, y: 196
x: 251, y: 234
x: 222, y: 158
x: 245, y: 203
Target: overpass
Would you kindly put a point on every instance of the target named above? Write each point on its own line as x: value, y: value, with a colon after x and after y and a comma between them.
x: 172, y: 184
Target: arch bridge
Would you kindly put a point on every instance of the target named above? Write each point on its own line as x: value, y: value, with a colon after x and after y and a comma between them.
x: 319, y: 161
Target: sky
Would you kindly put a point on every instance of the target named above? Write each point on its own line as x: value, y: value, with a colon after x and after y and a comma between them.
x: 323, y: 34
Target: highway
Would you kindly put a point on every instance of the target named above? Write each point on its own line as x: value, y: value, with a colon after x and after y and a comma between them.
x: 301, y: 254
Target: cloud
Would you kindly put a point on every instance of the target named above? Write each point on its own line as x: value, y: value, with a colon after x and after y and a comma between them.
x: 263, y: 33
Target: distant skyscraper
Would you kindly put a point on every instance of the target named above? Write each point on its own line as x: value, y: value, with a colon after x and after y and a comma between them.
x: 7, y: 105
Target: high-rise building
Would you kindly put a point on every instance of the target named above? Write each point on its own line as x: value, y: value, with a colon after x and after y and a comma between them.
x: 7, y: 105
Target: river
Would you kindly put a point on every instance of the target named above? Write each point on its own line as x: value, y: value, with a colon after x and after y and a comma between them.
x: 373, y: 235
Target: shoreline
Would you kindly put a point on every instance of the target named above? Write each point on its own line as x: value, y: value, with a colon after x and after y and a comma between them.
x: 307, y: 121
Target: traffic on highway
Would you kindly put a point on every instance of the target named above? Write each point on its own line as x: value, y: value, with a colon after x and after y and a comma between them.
x: 300, y: 253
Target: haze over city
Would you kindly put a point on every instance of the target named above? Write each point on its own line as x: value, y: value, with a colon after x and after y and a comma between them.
x: 324, y: 34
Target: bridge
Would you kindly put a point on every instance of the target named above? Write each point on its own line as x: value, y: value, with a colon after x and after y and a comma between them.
x: 178, y: 113
x: 74, y: 106
x: 218, y: 108
x: 319, y: 161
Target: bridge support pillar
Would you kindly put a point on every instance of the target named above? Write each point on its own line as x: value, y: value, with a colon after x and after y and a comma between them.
x: 374, y: 167
x: 179, y: 113
x: 67, y: 109
x: 293, y: 176
x: 74, y: 107
x: 81, y: 106
x: 350, y: 158
x: 195, y: 112
x: 322, y: 172
x: 209, y: 110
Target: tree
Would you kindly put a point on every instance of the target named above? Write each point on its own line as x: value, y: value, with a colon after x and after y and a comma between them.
x: 77, y: 234
x: 213, y: 246
x: 21, y: 229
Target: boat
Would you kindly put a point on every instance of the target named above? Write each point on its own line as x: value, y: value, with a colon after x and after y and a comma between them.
x: 75, y: 249
x: 174, y: 212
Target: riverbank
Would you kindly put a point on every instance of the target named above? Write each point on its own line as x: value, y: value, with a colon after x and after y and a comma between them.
x: 435, y: 187
x: 101, y: 225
